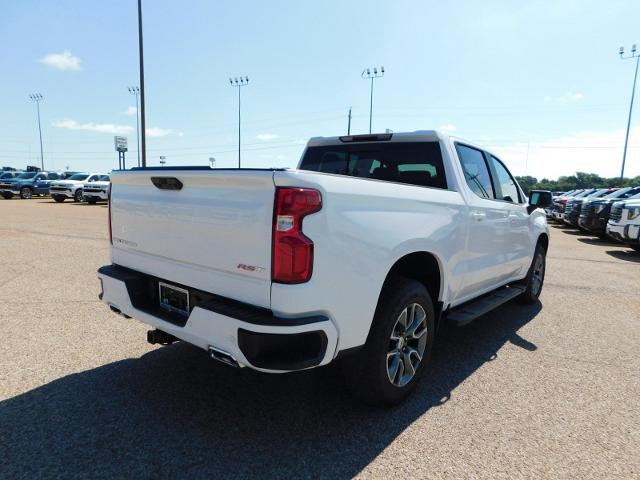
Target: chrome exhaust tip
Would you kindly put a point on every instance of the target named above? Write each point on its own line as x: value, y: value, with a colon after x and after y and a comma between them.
x: 224, y: 357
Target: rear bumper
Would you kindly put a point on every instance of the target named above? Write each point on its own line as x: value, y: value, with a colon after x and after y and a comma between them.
x: 253, y: 336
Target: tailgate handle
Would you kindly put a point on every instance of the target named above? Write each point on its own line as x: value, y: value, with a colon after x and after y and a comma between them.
x: 167, y: 183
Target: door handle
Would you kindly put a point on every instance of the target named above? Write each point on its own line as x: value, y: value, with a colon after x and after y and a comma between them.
x: 478, y: 216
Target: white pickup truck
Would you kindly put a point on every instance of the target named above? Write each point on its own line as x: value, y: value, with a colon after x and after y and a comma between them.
x: 358, y: 254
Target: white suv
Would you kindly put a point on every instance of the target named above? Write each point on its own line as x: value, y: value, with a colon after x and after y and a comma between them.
x: 97, y: 191
x: 72, y: 187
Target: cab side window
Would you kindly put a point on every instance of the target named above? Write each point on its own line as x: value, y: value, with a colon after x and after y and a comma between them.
x: 476, y: 171
x: 505, y: 184
x: 53, y: 176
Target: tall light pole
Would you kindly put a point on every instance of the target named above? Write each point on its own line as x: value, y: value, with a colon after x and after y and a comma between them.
x: 163, y: 160
x: 372, y: 74
x: 136, y: 91
x: 633, y: 92
x: 239, y: 83
x: 37, y: 98
x: 212, y: 162
x: 141, y: 54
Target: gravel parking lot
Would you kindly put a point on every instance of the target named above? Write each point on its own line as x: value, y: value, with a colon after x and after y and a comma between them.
x: 550, y: 390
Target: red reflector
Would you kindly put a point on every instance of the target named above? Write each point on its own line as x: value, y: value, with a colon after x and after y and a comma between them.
x: 292, y: 250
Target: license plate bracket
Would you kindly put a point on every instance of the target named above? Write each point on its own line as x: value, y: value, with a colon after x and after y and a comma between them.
x: 174, y: 299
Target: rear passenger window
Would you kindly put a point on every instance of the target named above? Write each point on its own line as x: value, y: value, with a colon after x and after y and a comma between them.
x: 414, y: 163
x: 476, y: 172
x: 53, y: 176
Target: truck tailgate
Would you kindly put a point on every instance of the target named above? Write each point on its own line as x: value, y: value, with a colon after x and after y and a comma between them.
x: 212, y: 234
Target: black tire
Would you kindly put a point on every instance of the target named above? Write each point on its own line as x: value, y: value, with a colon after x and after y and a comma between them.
x: 7, y: 195
x: 77, y: 197
x: 635, y: 247
x: 367, y: 372
x: 91, y: 201
x: 26, y: 192
x: 59, y: 199
x: 534, y: 287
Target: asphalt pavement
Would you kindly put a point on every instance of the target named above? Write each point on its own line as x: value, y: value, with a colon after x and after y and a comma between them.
x: 545, y: 391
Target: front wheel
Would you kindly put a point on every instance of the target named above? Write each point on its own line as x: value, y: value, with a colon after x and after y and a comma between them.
x: 91, y: 201
x: 26, y: 192
x: 387, y: 368
x: 535, y: 278
x: 77, y: 197
x: 58, y: 199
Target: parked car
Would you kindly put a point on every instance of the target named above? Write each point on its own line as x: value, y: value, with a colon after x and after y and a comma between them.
x: 358, y: 254
x: 72, y: 187
x: 8, y: 174
x: 28, y: 184
x: 96, y: 191
x: 595, y: 212
x: 559, y: 204
x: 624, y: 222
x: 574, y: 206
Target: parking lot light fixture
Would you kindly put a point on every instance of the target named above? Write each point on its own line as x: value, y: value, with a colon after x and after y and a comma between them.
x: 136, y: 91
x: 635, y: 55
x: 37, y: 98
x: 239, y: 83
x: 367, y: 74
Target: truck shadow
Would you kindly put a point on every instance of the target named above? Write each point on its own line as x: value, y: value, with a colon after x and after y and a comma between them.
x: 174, y: 413
x: 628, y: 255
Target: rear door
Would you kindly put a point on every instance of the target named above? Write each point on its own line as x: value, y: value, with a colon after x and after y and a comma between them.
x: 206, y: 229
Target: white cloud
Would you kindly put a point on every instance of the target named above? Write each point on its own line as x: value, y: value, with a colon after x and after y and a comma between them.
x: 592, y: 152
x: 131, y: 111
x: 163, y: 132
x: 62, y: 61
x: 448, y: 128
x: 266, y: 136
x: 94, y: 127
x: 570, y: 97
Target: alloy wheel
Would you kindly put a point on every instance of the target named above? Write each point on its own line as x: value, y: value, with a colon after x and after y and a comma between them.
x: 407, y: 345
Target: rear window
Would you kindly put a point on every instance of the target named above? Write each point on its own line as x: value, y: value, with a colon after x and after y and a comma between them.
x: 413, y: 163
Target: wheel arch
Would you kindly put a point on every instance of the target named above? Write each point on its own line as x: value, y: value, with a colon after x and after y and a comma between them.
x: 424, y: 267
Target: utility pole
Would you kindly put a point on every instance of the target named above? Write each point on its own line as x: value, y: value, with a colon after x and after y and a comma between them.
x: 239, y: 83
x: 633, y: 92
x: 163, y: 160
x: 349, y: 123
x: 367, y: 74
x: 37, y: 98
x: 142, y: 118
x: 136, y: 91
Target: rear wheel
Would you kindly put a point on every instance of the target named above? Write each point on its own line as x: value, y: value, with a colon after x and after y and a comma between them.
x: 535, y: 277
x: 386, y: 370
x: 77, y: 197
x: 26, y: 192
x: 58, y: 198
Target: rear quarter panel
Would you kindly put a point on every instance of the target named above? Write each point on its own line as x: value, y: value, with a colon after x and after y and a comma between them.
x: 364, y: 227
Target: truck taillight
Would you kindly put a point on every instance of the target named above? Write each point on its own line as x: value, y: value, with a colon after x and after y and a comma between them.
x: 292, y: 250
x: 109, y: 203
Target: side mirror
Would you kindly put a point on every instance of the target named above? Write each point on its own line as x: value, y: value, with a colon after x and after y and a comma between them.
x: 539, y: 199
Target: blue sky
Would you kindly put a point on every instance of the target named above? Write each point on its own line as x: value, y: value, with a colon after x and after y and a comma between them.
x: 517, y: 77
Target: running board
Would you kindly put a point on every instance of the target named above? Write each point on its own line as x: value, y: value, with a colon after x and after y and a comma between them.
x: 469, y: 311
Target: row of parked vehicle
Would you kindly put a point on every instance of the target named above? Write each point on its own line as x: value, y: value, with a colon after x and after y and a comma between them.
x: 76, y: 186
x: 606, y: 212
